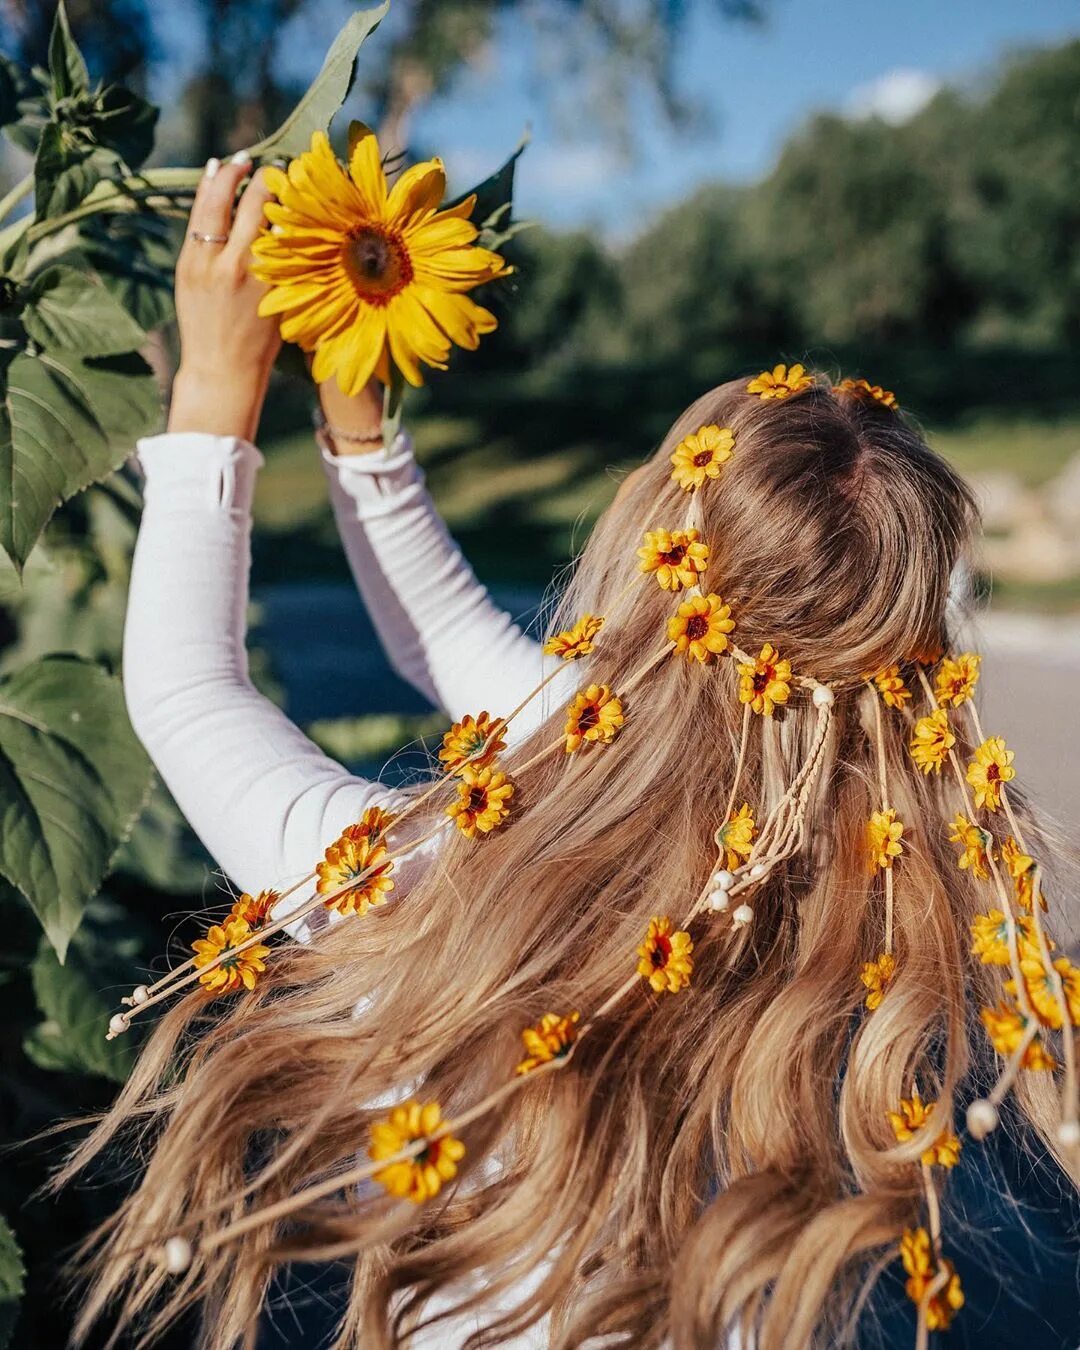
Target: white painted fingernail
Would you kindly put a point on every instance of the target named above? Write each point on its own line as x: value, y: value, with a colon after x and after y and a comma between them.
x: 212, y: 166
x: 241, y: 157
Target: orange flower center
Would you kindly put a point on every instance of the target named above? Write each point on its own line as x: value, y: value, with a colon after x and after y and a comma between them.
x: 993, y: 773
x: 429, y: 1154
x: 763, y: 678
x: 477, y: 798
x: 696, y: 627
x: 675, y: 556
x: 588, y: 717
x: 378, y: 263
x: 702, y: 458
x: 661, y: 952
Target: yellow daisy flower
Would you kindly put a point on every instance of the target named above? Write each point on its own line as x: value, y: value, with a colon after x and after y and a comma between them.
x: 956, y: 678
x: 483, y: 800
x: 735, y: 837
x: 1040, y: 991
x: 665, y: 957
x: 780, y: 382
x: 467, y: 738
x: 701, y: 455
x: 373, y: 823
x: 931, y: 741
x: 1021, y: 867
x: 917, y: 1255
x: 890, y: 685
x: 676, y: 558
x: 883, y: 835
x: 595, y: 715
x: 877, y: 976
x: 366, y: 276
x: 1005, y: 1026
x: 254, y: 910
x: 974, y: 842
x: 765, y: 682
x: 868, y: 393
x: 910, y: 1119
x: 353, y: 853
x: 990, y: 937
x: 699, y: 627
x: 989, y: 771
x: 574, y: 642
x: 235, y: 972
x: 550, y: 1039
x: 422, y: 1176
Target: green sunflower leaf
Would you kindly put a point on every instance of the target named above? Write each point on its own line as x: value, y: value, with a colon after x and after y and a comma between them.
x: 71, y: 1039
x: 494, y: 201
x: 74, y: 311
x: 66, y: 65
x: 12, y: 1281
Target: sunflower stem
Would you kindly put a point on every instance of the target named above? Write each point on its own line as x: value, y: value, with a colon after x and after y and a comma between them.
x: 393, y: 397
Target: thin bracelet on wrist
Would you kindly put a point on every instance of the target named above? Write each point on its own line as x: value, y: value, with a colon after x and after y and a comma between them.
x: 328, y: 435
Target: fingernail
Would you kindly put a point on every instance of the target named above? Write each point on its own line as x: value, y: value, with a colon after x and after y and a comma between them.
x: 212, y: 166
x: 241, y: 157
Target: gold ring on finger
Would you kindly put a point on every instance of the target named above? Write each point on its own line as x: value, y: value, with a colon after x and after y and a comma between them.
x: 201, y: 238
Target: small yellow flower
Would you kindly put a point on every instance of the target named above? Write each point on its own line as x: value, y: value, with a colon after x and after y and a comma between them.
x: 676, y: 558
x: 373, y: 824
x: 765, y: 682
x: 550, y: 1039
x: 1040, y: 991
x: 254, y: 910
x: 974, y: 844
x: 890, y: 685
x: 883, y: 835
x: 931, y: 741
x: 868, y: 393
x: 1021, y: 867
x: 910, y: 1119
x: 956, y: 678
x: 356, y: 852
x: 466, y: 739
x: 235, y: 972
x: 422, y: 1176
x: 990, y: 937
x: 918, y: 1258
x: 780, y: 382
x: 483, y: 801
x: 665, y: 959
x: 1005, y: 1025
x: 699, y: 627
x: 574, y: 642
x: 595, y: 715
x: 989, y: 771
x: 735, y: 837
x: 877, y: 976
x: 701, y: 455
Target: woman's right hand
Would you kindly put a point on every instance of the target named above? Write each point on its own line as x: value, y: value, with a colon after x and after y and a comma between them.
x: 226, y: 349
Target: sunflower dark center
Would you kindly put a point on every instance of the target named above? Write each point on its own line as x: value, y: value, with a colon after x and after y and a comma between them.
x: 588, y: 717
x: 661, y: 952
x: 761, y: 680
x: 477, y: 799
x: 378, y: 262
x: 993, y: 773
x: 674, y: 556
x: 697, y: 626
x: 702, y: 458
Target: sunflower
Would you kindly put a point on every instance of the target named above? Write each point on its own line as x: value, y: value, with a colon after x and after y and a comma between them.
x: 877, y: 976
x: 956, y: 678
x: 676, y: 558
x: 989, y: 771
x: 355, y: 855
x: 1005, y: 1025
x: 551, y: 1038
x: 990, y: 937
x: 765, y: 682
x: 420, y: 1177
x: 890, y: 685
x: 595, y: 715
x: 931, y: 741
x: 736, y: 837
x: 699, y: 627
x: 868, y: 393
x: 367, y: 277
x: 780, y: 382
x: 701, y: 455
x: 922, y: 1270
x: 975, y: 843
x: 1021, y: 867
x: 665, y: 959
x: 576, y: 641
x: 483, y: 800
x: 254, y: 910
x: 883, y: 835
x: 466, y: 739
x: 235, y: 972
x: 914, y: 1113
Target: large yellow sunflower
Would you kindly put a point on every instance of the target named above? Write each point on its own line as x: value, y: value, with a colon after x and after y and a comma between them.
x: 365, y: 275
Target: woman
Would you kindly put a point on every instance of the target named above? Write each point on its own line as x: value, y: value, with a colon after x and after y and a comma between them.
x: 753, y: 1125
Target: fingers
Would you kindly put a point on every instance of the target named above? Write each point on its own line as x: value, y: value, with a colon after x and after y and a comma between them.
x: 249, y: 216
x: 212, y: 209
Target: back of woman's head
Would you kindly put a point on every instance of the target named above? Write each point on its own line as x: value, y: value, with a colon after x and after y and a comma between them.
x: 717, y: 1147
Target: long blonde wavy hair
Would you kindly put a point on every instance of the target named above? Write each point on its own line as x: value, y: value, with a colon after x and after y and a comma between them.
x: 710, y: 1159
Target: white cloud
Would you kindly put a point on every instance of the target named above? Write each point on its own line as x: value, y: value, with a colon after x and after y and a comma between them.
x: 895, y: 97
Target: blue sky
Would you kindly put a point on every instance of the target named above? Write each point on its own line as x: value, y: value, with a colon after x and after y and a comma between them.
x: 758, y: 84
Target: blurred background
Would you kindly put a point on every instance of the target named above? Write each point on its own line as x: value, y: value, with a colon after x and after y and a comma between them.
x: 716, y: 185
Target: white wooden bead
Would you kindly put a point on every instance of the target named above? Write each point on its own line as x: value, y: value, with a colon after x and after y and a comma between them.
x: 118, y: 1024
x: 177, y: 1255
x: 742, y: 916
x: 1068, y: 1134
x: 823, y: 696
x: 982, y: 1118
x: 757, y: 871
x: 723, y: 880
x: 719, y: 901
x: 140, y: 994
